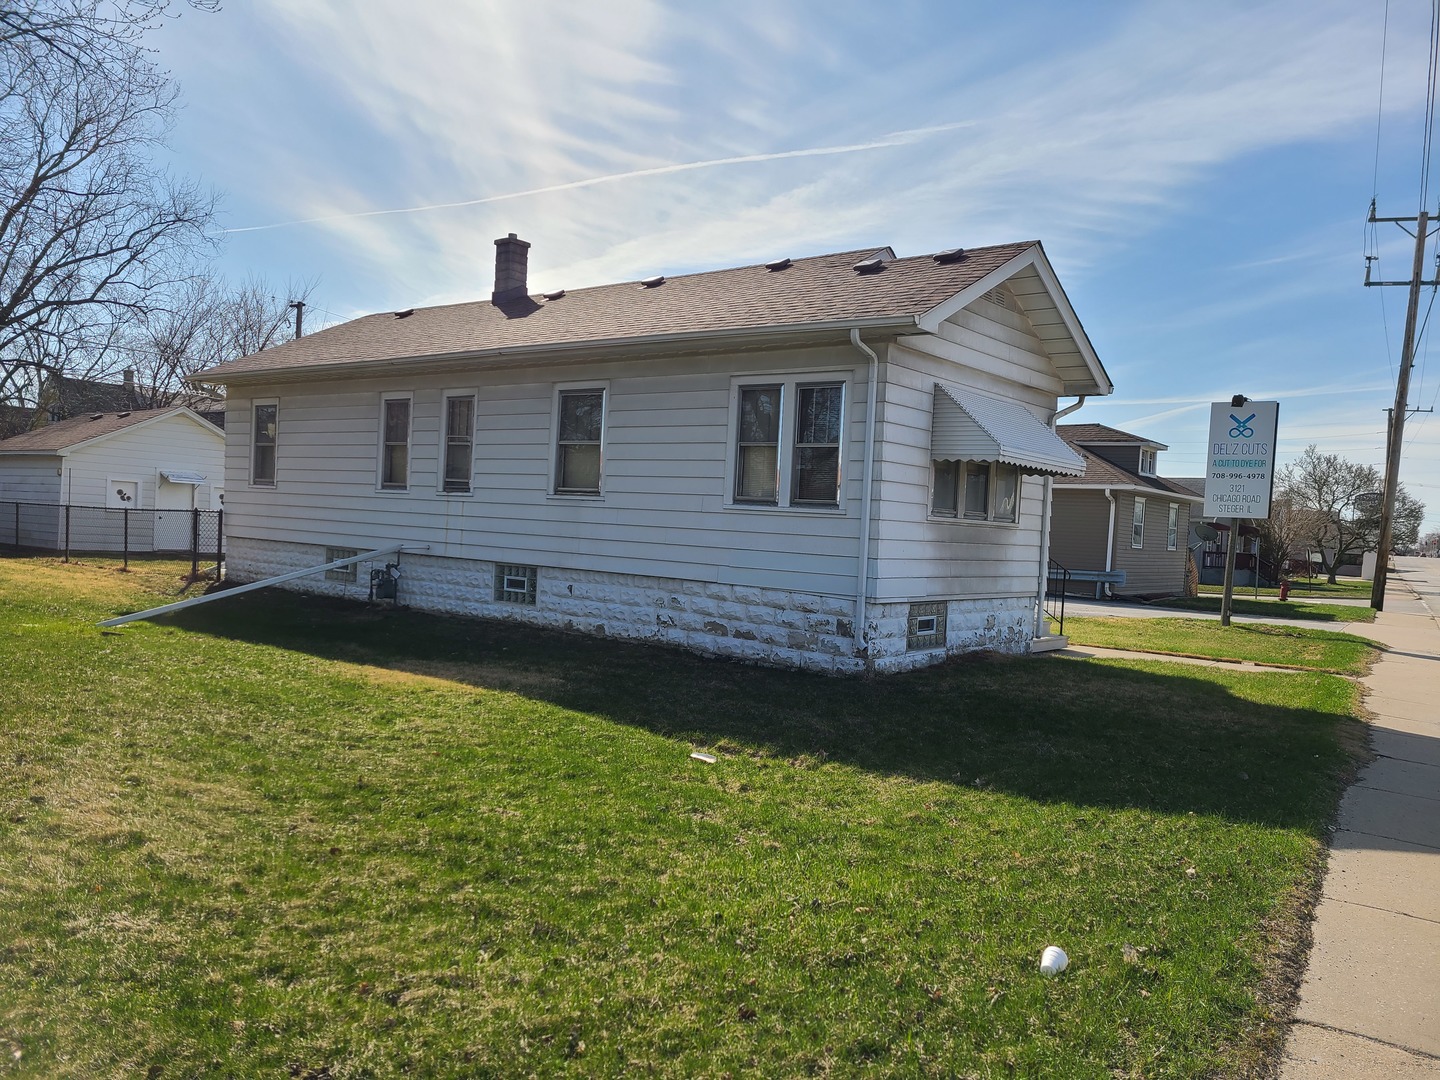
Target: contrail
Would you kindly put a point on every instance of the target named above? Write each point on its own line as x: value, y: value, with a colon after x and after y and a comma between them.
x: 898, y: 138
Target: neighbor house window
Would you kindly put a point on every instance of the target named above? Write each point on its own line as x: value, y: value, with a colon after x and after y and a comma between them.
x: 577, y: 455
x: 459, y: 441
x: 262, y: 442
x: 1137, y: 525
x: 817, y: 446
x: 395, y: 453
x: 1172, y: 528
x: 757, y: 457
x: 787, y: 443
x: 1147, y: 462
x: 976, y: 491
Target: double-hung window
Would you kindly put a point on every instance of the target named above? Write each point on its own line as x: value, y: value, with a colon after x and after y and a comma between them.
x: 976, y: 491
x: 262, y: 443
x: 1137, y: 524
x: 1172, y: 528
x: 578, y: 442
x: 459, y: 442
x: 787, y: 440
x: 395, y: 445
x: 1147, y: 461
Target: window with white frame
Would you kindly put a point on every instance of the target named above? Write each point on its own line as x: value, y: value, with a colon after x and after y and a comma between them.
x: 459, y: 442
x: 262, y: 443
x: 1172, y: 528
x: 578, y: 442
x: 1137, y: 524
x: 788, y: 437
x: 1147, y: 461
x: 395, y: 443
x: 976, y: 491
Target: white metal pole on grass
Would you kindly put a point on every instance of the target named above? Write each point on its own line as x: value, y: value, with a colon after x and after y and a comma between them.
x: 237, y: 590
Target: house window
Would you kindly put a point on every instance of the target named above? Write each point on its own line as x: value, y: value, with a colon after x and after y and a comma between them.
x: 1172, y: 528
x: 262, y: 442
x: 817, y: 446
x: 757, y: 456
x: 1137, y: 525
x: 395, y: 453
x: 787, y: 443
x: 515, y: 584
x: 459, y: 442
x: 926, y: 626
x: 1147, y: 462
x: 577, y: 455
x: 976, y: 491
x: 342, y: 573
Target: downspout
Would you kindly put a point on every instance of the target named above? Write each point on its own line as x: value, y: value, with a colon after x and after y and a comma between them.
x: 1109, y: 546
x: 862, y: 575
x: 1045, y: 532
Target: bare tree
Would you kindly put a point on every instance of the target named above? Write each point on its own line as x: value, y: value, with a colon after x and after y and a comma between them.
x: 1406, y: 521
x: 1285, y: 535
x: 1344, y: 500
x: 204, y: 322
x: 91, y: 227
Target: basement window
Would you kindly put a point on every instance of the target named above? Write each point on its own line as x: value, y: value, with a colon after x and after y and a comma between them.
x: 926, y: 629
x: 347, y: 574
x: 515, y: 584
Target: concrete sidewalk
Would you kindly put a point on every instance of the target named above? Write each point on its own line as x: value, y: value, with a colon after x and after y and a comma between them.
x: 1370, y: 1000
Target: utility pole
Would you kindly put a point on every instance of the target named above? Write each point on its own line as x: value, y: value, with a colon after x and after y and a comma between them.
x: 1402, y: 395
x: 299, y: 306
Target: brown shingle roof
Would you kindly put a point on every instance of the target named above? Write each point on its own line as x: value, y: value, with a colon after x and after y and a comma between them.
x: 1102, y: 473
x: 1075, y: 434
x: 822, y: 289
x: 63, y: 434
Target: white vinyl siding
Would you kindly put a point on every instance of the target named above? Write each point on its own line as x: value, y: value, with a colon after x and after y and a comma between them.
x: 172, y: 442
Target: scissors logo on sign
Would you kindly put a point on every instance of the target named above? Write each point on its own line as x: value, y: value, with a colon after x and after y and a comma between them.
x: 1242, y: 428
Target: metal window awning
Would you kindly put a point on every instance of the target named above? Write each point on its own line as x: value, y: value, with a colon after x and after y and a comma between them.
x: 183, y: 476
x: 968, y: 426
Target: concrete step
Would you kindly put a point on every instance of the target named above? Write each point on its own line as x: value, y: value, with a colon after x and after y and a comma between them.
x: 1049, y: 643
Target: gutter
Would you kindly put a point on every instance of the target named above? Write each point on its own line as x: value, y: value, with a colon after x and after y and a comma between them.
x: 867, y: 482
x: 719, y: 339
x: 1046, y: 509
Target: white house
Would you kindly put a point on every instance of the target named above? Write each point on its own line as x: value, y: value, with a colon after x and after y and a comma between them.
x: 837, y: 462
x: 156, y: 459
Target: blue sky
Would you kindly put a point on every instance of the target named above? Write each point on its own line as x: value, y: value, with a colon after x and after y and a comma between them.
x: 1198, y: 173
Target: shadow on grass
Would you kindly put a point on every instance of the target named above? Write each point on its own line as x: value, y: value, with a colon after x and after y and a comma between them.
x: 1046, y: 729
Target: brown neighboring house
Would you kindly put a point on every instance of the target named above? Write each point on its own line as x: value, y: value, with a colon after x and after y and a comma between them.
x: 1121, y: 529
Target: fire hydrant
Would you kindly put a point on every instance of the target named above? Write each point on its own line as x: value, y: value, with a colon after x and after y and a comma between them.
x: 1284, y: 590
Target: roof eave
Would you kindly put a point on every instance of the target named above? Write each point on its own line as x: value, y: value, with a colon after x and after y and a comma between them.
x: 703, y: 340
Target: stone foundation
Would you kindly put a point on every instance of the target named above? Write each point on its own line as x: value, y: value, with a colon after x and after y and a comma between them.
x: 763, y: 626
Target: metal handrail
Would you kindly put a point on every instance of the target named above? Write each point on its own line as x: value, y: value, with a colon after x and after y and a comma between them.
x: 1060, y: 573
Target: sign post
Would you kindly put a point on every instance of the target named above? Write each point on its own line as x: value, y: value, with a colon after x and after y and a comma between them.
x: 1240, y: 473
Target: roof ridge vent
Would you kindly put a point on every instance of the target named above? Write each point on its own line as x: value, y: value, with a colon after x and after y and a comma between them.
x: 949, y: 255
x: 122, y: 415
x: 651, y: 282
x: 553, y: 295
x: 97, y: 416
x: 869, y: 266
x: 405, y: 314
x: 778, y: 264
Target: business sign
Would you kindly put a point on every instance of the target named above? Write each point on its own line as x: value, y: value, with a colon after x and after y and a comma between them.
x: 1240, y: 473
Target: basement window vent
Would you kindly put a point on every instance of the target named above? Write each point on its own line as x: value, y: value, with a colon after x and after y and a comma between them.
x: 778, y: 264
x: 869, y: 266
x: 926, y: 629
x: 998, y: 298
x: 515, y: 584
x: 651, y: 282
x: 344, y: 573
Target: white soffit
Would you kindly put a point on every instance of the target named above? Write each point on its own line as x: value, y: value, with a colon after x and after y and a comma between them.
x: 968, y: 426
x: 183, y: 476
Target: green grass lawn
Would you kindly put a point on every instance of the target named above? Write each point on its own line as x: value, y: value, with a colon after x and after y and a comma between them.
x: 1347, y: 588
x: 279, y: 836
x: 1272, y: 609
x: 1262, y: 643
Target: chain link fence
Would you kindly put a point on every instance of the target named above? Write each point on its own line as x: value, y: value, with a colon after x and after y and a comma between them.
x: 99, y: 530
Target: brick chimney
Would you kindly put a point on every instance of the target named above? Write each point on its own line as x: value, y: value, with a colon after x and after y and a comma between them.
x: 129, y: 380
x: 512, y: 259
